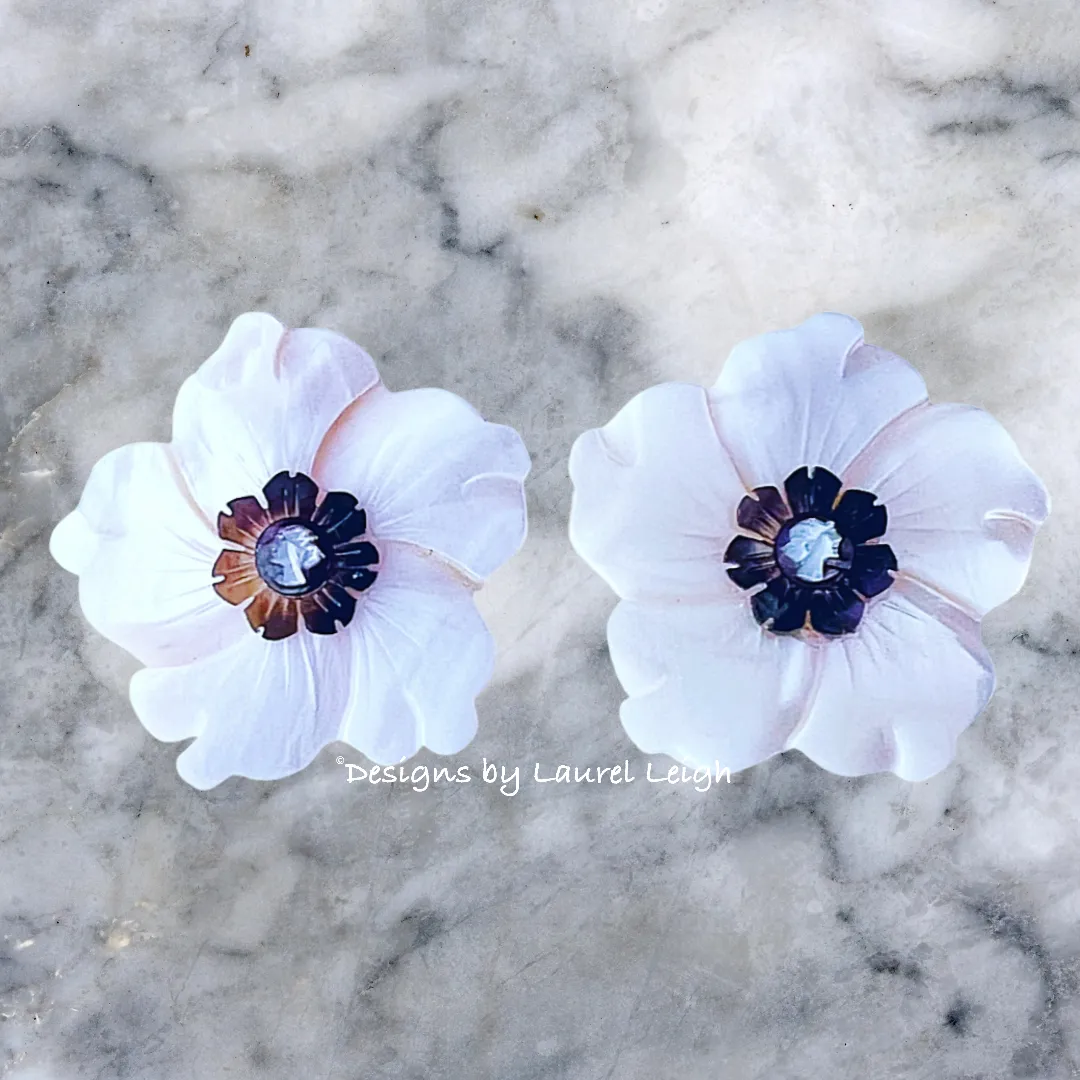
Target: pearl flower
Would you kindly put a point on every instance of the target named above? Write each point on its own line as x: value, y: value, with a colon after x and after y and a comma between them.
x: 803, y: 554
x: 297, y: 566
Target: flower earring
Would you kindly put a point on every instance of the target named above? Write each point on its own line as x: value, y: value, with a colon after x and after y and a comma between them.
x: 803, y: 554
x: 297, y: 566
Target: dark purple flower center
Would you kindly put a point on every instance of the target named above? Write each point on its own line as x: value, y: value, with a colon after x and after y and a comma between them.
x: 813, y: 550
x: 810, y: 550
x: 293, y: 558
x: 298, y: 557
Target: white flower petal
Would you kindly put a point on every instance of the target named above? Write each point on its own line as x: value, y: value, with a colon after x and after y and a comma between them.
x: 403, y: 674
x: 421, y: 655
x: 261, y: 709
x: 814, y: 395
x: 262, y: 404
x: 145, y: 556
x: 430, y: 471
x: 896, y: 694
x: 655, y: 495
x: 73, y: 542
x: 963, y: 505
x: 706, y: 684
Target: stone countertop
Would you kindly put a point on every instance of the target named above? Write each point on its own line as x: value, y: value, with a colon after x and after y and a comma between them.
x: 545, y: 207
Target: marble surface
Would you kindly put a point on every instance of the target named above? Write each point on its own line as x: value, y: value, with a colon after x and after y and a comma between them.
x: 546, y: 207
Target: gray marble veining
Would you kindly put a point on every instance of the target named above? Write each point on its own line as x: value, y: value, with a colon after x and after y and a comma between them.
x: 546, y: 207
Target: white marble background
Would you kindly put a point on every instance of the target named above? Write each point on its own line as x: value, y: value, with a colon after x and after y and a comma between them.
x: 545, y: 205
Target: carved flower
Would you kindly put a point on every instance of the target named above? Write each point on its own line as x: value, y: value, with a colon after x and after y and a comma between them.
x: 297, y: 566
x: 804, y: 553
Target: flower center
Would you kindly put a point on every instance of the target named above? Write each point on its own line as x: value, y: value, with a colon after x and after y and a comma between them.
x: 296, y: 556
x: 804, y: 547
x: 813, y: 550
x: 291, y: 559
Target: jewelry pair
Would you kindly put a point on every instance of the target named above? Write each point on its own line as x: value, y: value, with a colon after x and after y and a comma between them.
x: 803, y: 553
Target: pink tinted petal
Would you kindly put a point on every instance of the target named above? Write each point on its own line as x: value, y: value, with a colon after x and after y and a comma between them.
x: 655, y: 497
x: 261, y: 709
x: 896, y: 694
x: 814, y: 395
x: 145, y: 557
x: 262, y: 404
x: 403, y: 674
x: 706, y: 684
x: 963, y: 505
x: 430, y: 471
x: 421, y: 653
